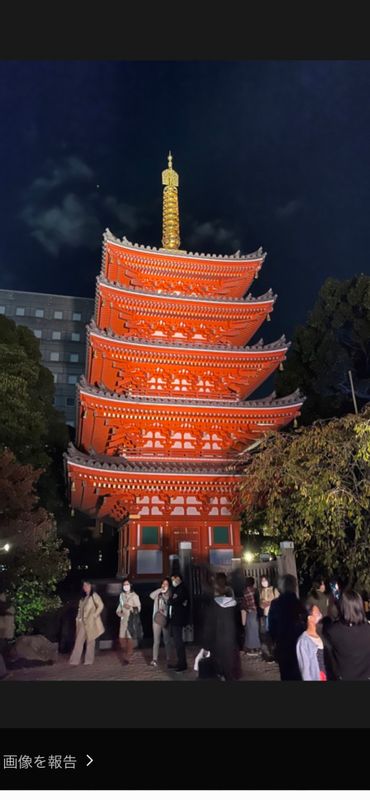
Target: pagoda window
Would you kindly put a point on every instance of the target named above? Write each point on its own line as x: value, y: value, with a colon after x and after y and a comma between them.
x: 37, y: 333
x: 153, y: 440
x: 150, y: 534
x: 73, y: 357
x: 39, y: 313
x: 211, y: 441
x: 72, y: 379
x: 58, y: 314
x: 182, y: 441
x: 75, y: 337
x: 2, y: 309
x: 54, y: 356
x: 19, y: 312
x: 221, y: 534
x: 76, y: 316
x: 56, y: 336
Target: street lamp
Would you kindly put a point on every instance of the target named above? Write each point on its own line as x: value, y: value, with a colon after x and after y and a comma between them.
x: 248, y: 557
x: 5, y: 547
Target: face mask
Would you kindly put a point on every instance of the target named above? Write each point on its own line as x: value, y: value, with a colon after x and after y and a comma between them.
x: 126, y: 588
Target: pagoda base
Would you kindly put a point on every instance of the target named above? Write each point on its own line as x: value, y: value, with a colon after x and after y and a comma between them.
x: 149, y: 547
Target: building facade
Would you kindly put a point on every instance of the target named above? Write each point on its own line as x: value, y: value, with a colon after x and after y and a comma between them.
x: 163, y: 413
x: 59, y: 323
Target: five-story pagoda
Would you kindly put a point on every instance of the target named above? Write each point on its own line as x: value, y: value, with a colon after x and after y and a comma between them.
x: 162, y: 411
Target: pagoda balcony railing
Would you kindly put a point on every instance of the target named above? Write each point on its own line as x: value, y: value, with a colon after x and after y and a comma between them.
x: 176, y: 453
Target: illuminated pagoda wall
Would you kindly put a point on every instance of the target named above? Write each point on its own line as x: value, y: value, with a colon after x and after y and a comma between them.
x: 163, y: 410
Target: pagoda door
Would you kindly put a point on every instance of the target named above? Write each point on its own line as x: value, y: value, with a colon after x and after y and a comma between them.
x: 187, y: 533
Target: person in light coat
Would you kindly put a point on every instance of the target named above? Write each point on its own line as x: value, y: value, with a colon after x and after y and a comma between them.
x: 161, y: 599
x: 128, y: 601
x: 89, y: 625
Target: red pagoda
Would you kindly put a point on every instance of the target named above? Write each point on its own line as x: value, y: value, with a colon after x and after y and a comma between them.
x: 162, y: 411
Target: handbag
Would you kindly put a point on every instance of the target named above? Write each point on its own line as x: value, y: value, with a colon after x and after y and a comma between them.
x: 160, y: 619
x: 134, y: 625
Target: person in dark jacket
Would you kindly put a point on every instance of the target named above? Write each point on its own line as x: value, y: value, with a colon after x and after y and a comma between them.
x: 287, y: 621
x: 318, y: 596
x: 178, y: 616
x: 220, y: 632
x: 348, y: 640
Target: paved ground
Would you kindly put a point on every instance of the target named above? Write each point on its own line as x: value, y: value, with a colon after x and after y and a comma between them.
x: 107, y: 667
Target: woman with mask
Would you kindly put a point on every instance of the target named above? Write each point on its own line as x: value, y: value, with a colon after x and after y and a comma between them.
x: 129, y: 603
x: 310, y: 648
x: 88, y: 625
x: 267, y: 595
x: 161, y: 599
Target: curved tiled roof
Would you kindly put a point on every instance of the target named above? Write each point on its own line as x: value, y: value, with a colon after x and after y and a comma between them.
x: 259, y: 347
x: 269, y: 295
x: 265, y: 402
x: 108, y: 236
x: 123, y: 465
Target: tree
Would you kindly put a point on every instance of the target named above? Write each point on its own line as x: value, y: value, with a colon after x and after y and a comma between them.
x: 29, y: 424
x: 36, y: 561
x: 335, y: 339
x: 314, y: 487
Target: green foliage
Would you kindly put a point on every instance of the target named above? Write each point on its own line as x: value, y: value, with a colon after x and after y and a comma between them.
x: 36, y: 561
x: 31, y: 600
x: 335, y: 339
x: 313, y: 487
x: 30, y: 426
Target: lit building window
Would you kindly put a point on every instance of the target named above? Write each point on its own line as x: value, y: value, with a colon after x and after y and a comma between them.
x: 54, y: 356
x: 56, y: 336
x: 72, y: 379
x: 76, y: 317
x: 37, y: 334
x: 58, y: 314
x: 75, y: 337
x: 19, y: 312
x: 39, y: 312
x: 73, y: 357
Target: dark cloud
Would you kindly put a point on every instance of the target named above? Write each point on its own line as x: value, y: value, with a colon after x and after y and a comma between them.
x: 289, y: 209
x: 59, y: 217
x: 212, y: 233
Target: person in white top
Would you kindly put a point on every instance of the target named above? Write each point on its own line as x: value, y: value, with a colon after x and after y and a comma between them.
x: 129, y: 601
x: 161, y: 598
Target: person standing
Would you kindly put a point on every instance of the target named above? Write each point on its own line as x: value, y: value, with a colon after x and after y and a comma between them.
x: 161, y: 599
x: 250, y: 604
x: 179, y: 616
x: 129, y: 603
x: 348, y: 640
x: 267, y: 594
x: 310, y: 648
x: 89, y: 625
x: 220, y: 634
x: 287, y: 621
x: 318, y: 596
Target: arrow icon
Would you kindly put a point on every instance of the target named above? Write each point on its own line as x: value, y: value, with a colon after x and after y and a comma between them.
x: 90, y: 761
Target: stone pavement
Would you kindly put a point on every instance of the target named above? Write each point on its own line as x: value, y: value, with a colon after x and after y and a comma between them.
x: 108, y: 667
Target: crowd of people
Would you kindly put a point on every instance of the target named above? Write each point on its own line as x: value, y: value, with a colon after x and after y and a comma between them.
x: 325, y: 637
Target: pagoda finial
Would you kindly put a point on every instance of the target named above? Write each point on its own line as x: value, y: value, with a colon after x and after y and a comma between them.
x: 171, y: 222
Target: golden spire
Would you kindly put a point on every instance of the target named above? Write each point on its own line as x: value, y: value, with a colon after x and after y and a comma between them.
x: 171, y: 222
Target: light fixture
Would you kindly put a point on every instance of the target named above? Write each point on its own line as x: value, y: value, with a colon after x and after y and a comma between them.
x: 5, y: 547
x: 248, y: 557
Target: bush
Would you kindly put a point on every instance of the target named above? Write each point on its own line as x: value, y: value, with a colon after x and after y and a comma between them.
x: 31, y: 599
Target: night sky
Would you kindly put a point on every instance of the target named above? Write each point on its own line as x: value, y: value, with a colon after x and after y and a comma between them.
x: 271, y: 153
